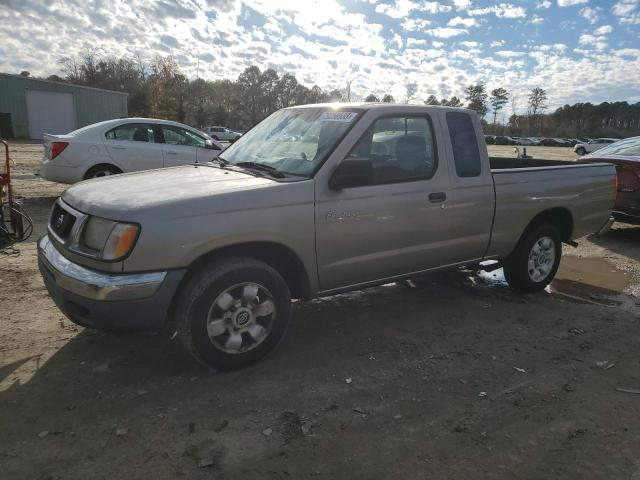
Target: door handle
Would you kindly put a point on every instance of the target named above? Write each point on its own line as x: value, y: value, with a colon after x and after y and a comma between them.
x: 437, y: 197
x: 118, y: 147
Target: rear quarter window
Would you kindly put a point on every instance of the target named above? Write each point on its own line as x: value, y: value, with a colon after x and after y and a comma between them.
x: 466, y: 153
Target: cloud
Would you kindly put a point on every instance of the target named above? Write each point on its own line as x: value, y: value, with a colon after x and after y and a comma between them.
x: 570, y: 3
x: 509, y: 54
x: 446, y: 32
x: 402, y: 8
x: 627, y: 11
x: 501, y: 10
x: 603, y: 30
x: 325, y: 41
x: 544, y: 4
x: 625, y: 7
x: 414, y: 24
x: 598, y: 42
x: 590, y: 14
x: 465, y: 22
x: 462, y: 4
x: 537, y: 20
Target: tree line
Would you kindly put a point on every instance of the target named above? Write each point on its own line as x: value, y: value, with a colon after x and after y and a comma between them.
x: 616, y: 119
x: 159, y: 89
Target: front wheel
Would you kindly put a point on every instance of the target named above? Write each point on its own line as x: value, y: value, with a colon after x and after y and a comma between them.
x: 535, y: 260
x: 233, y: 312
x: 581, y: 151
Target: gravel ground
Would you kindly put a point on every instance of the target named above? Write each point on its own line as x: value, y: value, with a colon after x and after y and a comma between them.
x: 457, y: 378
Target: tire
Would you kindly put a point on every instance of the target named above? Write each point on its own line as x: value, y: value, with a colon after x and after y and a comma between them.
x: 215, y: 137
x: 223, y: 315
x: 524, y: 276
x: 581, y: 151
x: 103, y: 170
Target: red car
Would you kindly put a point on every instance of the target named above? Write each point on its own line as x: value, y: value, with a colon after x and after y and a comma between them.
x: 625, y: 155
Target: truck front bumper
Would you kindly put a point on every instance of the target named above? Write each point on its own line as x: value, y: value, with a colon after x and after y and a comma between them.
x: 134, y: 301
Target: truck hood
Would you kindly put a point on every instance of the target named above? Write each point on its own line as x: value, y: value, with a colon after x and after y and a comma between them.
x: 176, y: 191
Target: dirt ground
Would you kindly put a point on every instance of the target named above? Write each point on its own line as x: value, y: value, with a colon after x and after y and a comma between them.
x: 457, y: 378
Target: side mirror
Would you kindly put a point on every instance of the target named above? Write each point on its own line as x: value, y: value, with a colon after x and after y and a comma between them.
x: 352, y: 172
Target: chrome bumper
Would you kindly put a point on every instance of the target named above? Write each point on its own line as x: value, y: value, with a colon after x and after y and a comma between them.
x: 96, y: 285
x: 606, y: 227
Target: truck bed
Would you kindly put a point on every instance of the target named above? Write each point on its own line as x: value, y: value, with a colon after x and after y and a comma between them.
x: 525, y: 187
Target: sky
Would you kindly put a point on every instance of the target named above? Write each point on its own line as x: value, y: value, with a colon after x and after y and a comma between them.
x: 578, y: 50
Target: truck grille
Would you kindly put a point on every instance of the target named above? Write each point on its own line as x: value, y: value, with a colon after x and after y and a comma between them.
x: 61, y: 222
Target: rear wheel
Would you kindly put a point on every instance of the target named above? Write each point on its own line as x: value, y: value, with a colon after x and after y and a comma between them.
x: 581, y: 151
x: 102, y: 171
x: 233, y: 312
x: 535, y: 260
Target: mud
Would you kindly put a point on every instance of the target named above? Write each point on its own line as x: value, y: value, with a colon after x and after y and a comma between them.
x: 457, y: 378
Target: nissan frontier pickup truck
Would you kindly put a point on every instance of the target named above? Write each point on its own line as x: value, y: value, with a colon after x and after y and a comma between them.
x: 313, y: 201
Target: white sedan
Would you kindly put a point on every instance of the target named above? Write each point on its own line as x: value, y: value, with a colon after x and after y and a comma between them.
x: 593, y: 145
x: 123, y: 145
x: 222, y: 134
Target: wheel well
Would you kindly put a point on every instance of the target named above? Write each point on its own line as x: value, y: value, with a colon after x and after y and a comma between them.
x: 276, y: 255
x: 101, y: 165
x: 560, y: 218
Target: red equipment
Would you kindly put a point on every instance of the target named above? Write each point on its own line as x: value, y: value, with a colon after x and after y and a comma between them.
x: 12, y: 215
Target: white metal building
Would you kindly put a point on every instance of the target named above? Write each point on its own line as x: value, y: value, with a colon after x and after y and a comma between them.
x: 30, y: 107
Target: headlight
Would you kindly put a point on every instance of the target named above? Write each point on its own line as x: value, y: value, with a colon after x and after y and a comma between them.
x: 109, y: 240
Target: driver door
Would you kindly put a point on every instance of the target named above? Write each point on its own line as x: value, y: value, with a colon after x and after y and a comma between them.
x: 394, y: 226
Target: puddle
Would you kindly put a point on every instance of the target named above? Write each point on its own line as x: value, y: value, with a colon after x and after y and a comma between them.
x: 584, y: 280
x: 593, y: 279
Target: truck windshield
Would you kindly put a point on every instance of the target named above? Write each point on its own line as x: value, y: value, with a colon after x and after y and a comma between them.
x: 292, y: 141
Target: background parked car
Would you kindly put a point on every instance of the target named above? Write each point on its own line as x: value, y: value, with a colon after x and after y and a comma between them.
x: 490, y: 139
x: 625, y: 155
x: 222, y: 133
x: 593, y: 145
x: 527, y: 141
x: 503, y: 140
x: 552, y: 142
x: 123, y: 145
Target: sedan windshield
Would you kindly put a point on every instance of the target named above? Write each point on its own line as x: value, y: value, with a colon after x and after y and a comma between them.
x: 292, y: 141
x: 629, y: 147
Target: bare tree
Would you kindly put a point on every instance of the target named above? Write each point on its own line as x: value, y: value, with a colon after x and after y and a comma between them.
x: 412, y: 89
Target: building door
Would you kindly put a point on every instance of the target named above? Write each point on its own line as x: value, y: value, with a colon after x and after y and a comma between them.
x: 6, y: 129
x: 50, y: 112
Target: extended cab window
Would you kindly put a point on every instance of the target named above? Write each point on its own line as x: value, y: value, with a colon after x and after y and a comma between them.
x: 132, y: 132
x: 401, y: 149
x: 180, y: 136
x: 466, y: 153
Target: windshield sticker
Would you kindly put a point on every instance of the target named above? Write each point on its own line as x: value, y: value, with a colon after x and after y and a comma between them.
x: 345, y: 117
